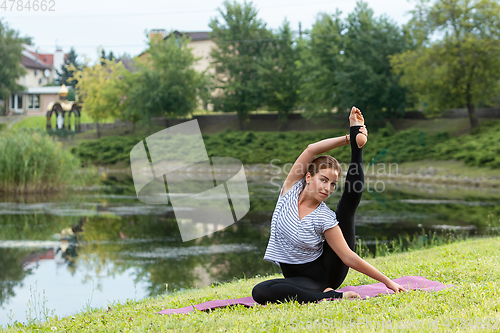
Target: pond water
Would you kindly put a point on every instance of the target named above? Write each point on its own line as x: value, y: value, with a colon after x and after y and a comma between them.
x: 87, y: 248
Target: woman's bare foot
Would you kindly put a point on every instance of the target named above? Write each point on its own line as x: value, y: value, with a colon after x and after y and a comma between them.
x: 327, y: 289
x: 350, y: 294
x: 357, y: 119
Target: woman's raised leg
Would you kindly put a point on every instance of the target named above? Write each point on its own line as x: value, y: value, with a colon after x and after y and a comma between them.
x: 346, y: 208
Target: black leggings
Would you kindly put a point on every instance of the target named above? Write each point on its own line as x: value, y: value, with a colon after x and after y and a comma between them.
x: 306, y: 282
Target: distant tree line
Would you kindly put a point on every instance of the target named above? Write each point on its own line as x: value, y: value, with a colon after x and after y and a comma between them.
x: 446, y: 56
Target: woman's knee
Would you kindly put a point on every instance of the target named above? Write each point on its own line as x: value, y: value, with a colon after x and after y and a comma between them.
x: 260, y: 292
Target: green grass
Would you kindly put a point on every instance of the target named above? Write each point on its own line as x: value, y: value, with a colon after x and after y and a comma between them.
x: 471, y: 265
x: 41, y: 121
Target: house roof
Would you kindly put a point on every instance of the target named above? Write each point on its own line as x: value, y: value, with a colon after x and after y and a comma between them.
x: 43, y: 56
x: 28, y: 62
x: 199, y: 35
x: 195, y: 35
x: 48, y: 59
x: 129, y: 64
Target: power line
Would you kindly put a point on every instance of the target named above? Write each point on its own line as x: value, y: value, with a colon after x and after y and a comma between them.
x: 228, y: 41
x: 160, y: 13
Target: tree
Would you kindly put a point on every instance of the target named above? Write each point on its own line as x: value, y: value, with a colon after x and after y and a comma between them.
x: 66, y: 76
x: 241, y: 38
x: 346, y: 63
x: 10, y: 64
x: 364, y: 76
x: 319, y: 57
x: 129, y: 108
x: 27, y: 40
x: 125, y: 55
x: 166, y: 84
x: 99, y: 89
x: 103, y: 56
x: 463, y: 67
x: 277, y: 73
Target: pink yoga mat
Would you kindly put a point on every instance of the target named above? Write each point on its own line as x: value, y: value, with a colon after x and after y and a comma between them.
x: 364, y: 291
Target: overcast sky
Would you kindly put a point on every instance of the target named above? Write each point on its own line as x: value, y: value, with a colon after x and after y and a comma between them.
x: 120, y: 25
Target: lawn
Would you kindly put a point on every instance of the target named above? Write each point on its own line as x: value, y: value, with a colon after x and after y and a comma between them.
x: 41, y: 122
x: 472, y: 265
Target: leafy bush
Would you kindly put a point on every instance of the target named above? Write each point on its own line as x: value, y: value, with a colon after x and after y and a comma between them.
x: 279, y: 148
x: 481, y: 148
x: 107, y: 150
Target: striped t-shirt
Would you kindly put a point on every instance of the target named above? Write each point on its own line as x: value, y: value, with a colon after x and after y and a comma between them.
x: 293, y: 241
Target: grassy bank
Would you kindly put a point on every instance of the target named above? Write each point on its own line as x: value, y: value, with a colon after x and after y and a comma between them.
x: 472, y: 265
x: 481, y: 149
x: 278, y: 148
x: 41, y: 121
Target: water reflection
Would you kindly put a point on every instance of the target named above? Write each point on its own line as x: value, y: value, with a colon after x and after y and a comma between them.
x: 100, y: 245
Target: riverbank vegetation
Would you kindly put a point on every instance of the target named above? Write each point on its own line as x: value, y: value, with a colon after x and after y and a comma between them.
x: 480, y: 148
x: 31, y: 161
x: 470, y: 265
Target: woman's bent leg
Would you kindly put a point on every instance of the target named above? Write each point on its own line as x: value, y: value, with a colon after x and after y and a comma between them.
x: 301, y: 289
x: 346, y: 208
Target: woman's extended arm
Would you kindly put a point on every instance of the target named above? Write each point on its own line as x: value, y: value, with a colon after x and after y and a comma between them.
x: 337, y: 242
x: 323, y: 146
x: 299, y: 168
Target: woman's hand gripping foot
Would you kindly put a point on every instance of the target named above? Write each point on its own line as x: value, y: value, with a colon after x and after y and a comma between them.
x: 357, y: 119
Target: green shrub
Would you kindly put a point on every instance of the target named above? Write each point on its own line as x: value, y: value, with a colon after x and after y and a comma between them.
x: 266, y: 147
x: 387, y: 131
x: 481, y: 149
x: 32, y: 162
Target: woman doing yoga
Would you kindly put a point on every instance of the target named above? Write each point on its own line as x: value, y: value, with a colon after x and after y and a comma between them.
x: 302, y: 222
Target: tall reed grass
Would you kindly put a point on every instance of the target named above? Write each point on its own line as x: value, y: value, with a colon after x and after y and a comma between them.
x: 30, y: 161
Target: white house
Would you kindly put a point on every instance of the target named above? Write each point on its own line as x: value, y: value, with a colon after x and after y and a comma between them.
x: 40, y: 70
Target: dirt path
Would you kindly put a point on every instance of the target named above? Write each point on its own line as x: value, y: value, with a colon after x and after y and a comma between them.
x: 11, y: 120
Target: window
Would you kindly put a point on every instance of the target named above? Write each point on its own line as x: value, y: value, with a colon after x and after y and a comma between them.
x: 19, y: 101
x: 36, y: 72
x: 16, y: 102
x: 33, y: 101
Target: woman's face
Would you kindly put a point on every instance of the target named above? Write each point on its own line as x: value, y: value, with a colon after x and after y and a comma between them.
x: 322, y: 184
